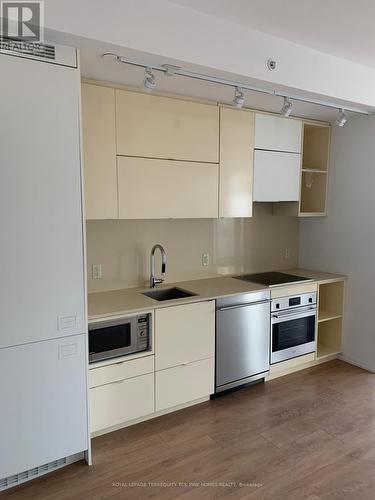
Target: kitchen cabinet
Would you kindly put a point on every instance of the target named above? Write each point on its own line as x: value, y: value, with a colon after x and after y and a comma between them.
x: 120, y: 371
x: 163, y: 127
x: 314, y: 173
x: 236, y: 162
x: 184, y: 383
x: 121, y: 392
x: 99, y: 151
x: 184, y: 333
x: 184, y: 353
x: 277, y: 133
x: 157, y: 189
x: 330, y: 315
x: 121, y: 401
x: 276, y: 176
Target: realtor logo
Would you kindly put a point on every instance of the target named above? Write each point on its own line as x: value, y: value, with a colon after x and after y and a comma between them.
x: 22, y: 21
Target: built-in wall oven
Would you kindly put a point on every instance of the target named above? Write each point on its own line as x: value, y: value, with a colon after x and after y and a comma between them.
x: 293, y: 325
x: 117, y: 337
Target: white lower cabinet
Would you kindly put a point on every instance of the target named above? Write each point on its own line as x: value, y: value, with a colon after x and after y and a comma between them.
x: 182, y: 370
x: 185, y: 351
x: 125, y: 393
x: 184, y: 383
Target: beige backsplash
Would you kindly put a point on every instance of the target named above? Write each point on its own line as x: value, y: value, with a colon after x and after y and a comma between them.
x: 235, y: 245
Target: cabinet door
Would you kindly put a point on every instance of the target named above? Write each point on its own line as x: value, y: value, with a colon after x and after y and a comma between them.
x: 99, y: 150
x: 184, y: 333
x: 119, y: 402
x: 157, y: 189
x: 184, y: 383
x: 277, y: 133
x: 236, y: 162
x: 43, y: 403
x: 276, y: 176
x: 161, y: 127
x: 43, y: 294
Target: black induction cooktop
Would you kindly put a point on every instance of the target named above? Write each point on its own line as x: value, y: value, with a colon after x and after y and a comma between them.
x: 273, y: 278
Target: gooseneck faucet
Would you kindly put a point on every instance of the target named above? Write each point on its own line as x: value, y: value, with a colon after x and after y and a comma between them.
x: 155, y: 281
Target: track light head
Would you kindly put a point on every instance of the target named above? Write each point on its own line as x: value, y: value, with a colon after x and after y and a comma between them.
x: 149, y: 82
x: 341, y: 118
x: 287, y: 107
x: 239, y: 98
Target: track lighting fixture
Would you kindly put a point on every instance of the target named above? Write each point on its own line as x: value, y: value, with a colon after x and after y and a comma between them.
x: 341, y: 118
x: 287, y: 107
x: 149, y: 79
x: 239, y: 98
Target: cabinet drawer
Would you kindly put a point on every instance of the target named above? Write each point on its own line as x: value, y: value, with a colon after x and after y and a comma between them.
x: 277, y: 133
x: 184, y: 333
x: 119, y: 402
x: 184, y: 383
x: 276, y: 176
x: 162, y: 127
x: 157, y: 189
x: 121, y: 371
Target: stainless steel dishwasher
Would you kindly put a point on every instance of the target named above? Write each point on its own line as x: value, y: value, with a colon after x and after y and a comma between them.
x: 242, y: 339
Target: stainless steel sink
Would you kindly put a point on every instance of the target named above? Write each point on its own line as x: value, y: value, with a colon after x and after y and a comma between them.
x: 168, y: 294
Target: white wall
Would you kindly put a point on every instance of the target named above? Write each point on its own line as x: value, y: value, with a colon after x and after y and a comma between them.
x: 344, y: 241
x: 172, y: 31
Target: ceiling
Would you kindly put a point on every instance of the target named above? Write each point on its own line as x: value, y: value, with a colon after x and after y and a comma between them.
x: 344, y: 28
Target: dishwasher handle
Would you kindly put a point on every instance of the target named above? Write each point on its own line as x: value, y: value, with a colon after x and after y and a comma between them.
x: 248, y: 304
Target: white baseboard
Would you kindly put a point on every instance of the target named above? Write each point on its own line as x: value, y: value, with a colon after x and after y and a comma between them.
x: 355, y: 362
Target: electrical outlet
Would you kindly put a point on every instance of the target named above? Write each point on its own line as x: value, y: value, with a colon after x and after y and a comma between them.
x: 96, y: 271
x: 205, y: 259
x: 286, y: 253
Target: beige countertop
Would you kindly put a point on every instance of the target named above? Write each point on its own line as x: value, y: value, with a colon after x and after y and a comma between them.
x: 131, y: 300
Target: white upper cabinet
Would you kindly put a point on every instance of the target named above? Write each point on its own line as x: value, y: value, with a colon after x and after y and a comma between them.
x: 276, y: 133
x: 236, y: 162
x: 276, y: 176
x: 151, y: 126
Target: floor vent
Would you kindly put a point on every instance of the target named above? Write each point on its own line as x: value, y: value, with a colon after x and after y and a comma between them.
x: 32, y: 49
x: 9, y: 482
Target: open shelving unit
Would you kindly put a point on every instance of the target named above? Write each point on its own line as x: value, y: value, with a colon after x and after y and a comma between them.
x: 330, y: 313
x: 314, y: 173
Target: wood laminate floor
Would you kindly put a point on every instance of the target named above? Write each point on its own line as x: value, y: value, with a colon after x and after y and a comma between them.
x: 309, y: 435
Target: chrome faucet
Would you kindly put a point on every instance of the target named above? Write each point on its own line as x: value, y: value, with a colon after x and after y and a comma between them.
x: 155, y: 281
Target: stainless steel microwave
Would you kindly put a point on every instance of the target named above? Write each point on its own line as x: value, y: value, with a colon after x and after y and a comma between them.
x: 117, y: 337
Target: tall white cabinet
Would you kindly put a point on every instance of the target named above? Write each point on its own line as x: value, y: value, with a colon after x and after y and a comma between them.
x: 43, y: 339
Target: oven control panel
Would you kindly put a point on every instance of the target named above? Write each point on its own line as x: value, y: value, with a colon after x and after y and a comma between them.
x: 142, y: 332
x: 293, y: 301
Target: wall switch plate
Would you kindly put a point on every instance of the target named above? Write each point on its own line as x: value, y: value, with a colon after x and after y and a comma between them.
x: 96, y: 271
x: 205, y: 259
x: 286, y: 253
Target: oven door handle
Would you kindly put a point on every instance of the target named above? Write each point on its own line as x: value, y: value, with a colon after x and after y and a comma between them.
x: 311, y: 311
x: 247, y: 304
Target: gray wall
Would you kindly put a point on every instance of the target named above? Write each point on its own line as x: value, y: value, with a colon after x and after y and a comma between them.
x: 344, y: 241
